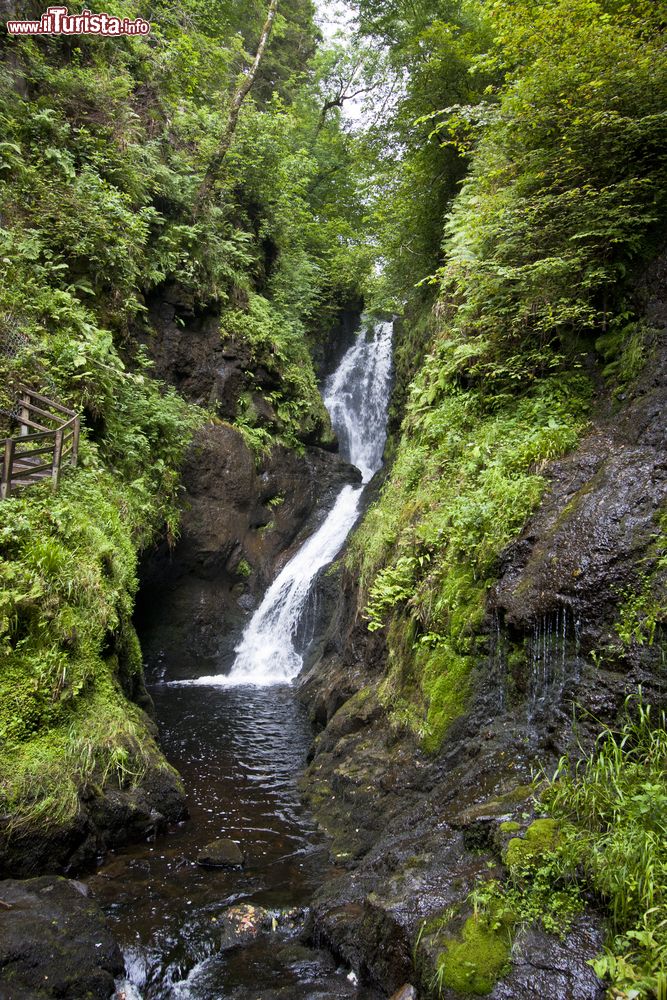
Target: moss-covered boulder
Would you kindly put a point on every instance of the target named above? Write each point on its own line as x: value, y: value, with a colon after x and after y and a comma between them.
x: 471, y: 964
x: 541, y: 837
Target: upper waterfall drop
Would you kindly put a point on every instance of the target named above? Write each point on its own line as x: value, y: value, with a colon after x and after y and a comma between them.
x: 357, y: 397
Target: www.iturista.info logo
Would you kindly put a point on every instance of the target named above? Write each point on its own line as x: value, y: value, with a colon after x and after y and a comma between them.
x: 59, y: 21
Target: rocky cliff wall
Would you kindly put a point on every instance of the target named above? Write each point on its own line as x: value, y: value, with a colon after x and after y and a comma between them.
x: 574, y: 624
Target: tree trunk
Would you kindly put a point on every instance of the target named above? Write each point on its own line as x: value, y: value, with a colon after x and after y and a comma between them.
x: 240, y: 94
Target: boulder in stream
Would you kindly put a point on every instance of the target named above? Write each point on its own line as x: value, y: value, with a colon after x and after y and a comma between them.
x: 223, y: 853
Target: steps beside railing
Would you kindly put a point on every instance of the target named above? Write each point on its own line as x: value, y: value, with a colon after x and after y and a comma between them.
x: 48, y: 437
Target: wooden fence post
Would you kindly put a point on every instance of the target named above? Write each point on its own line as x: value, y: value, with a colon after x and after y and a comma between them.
x: 24, y: 413
x: 8, y: 461
x: 75, y: 441
x: 57, y: 456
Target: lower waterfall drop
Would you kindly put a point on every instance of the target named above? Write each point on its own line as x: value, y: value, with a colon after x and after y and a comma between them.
x: 356, y: 396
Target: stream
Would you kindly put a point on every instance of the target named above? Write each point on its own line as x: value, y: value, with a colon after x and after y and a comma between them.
x: 239, y: 738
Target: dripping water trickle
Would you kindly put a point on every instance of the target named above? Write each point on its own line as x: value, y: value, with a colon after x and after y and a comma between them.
x: 554, y: 656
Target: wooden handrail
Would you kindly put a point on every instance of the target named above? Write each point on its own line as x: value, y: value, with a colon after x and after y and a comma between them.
x: 21, y: 467
x: 45, y: 399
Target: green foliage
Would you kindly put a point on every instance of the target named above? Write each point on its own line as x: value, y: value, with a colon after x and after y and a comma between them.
x: 244, y: 569
x: 278, y: 347
x: 464, y: 479
x: 432, y: 63
x: 105, y: 142
x: 613, y: 806
x: 67, y: 645
x: 106, y: 146
x: 626, y: 348
x: 563, y: 199
x: 567, y: 181
x: 523, y: 852
x: 642, y: 614
x: 607, y: 835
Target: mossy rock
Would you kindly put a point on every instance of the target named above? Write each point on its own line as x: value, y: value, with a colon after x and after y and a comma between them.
x: 471, y: 966
x: 445, y: 682
x: 541, y: 837
x: 509, y: 826
x: 517, y: 794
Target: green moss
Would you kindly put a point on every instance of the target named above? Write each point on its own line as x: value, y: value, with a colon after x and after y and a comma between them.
x: 354, y: 704
x: 244, y: 569
x: 473, y: 964
x: 517, y: 794
x: 69, y: 652
x: 509, y: 826
x: 445, y: 679
x: 103, y: 739
x: 540, y: 839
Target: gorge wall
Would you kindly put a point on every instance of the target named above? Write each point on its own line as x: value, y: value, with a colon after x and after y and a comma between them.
x: 414, y: 832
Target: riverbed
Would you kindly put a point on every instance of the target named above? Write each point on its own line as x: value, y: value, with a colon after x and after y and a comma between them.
x: 240, y: 751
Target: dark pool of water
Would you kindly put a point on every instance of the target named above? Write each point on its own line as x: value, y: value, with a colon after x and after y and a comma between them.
x: 240, y: 752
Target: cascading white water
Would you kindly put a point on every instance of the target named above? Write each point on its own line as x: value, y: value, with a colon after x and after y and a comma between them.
x: 356, y: 396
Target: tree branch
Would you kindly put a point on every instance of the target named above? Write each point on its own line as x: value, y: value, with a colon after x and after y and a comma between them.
x: 240, y: 94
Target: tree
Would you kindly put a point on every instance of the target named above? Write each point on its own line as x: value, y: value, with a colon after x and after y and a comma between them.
x: 240, y: 94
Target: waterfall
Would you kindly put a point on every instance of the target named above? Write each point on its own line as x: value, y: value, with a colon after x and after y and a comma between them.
x: 356, y: 396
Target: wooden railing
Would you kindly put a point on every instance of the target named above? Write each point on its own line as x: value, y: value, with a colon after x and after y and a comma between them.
x: 48, y: 437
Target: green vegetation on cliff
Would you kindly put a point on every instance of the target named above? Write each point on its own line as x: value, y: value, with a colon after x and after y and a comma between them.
x: 563, y: 200
x: 605, y: 838
x: 105, y: 144
x: 541, y: 165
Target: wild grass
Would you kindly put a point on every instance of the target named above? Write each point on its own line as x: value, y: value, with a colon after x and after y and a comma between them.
x: 614, y: 807
x: 608, y: 841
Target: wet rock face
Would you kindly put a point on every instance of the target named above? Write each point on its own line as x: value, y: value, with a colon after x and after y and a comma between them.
x: 240, y: 523
x: 544, y: 966
x: 412, y: 835
x: 54, y: 942
x: 188, y: 352
x: 587, y: 544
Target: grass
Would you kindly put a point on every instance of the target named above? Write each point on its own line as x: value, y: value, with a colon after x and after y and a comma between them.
x: 606, y: 837
x: 466, y: 476
x: 68, y: 650
x: 103, y: 741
